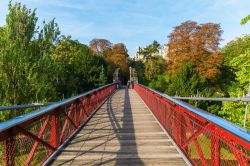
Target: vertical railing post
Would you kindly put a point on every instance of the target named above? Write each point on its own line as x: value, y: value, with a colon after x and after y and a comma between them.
x: 245, y: 115
x: 9, y: 150
x: 54, y: 130
x: 215, y: 151
x: 75, y: 113
x: 178, y: 127
x: 183, y: 135
x: 88, y: 105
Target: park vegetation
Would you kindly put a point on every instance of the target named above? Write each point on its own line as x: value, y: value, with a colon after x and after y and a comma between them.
x: 38, y: 63
x: 196, y: 65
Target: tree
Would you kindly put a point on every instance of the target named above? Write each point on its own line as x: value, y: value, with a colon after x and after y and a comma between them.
x: 23, y: 64
x: 27, y: 72
x: 102, y: 77
x: 79, y: 69
x: 154, y: 66
x: 100, y: 46
x: 115, y: 55
x: 186, y: 81
x: 120, y: 48
x: 232, y: 50
x: 235, y: 48
x: 235, y: 111
x: 161, y: 83
x: 198, y: 44
x: 118, y: 59
x: 151, y: 50
x: 36, y: 64
x: 154, y: 63
x: 245, y: 20
x: 139, y: 67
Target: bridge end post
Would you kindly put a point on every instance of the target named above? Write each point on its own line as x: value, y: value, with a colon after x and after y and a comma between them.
x: 116, y: 78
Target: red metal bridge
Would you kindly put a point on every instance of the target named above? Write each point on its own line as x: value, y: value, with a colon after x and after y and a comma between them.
x: 109, y: 126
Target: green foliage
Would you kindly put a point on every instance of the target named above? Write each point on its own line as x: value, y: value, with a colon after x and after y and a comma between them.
x: 23, y: 66
x: 139, y: 67
x: 102, y: 77
x: 154, y: 66
x: 232, y: 50
x: 36, y: 66
x: 235, y: 48
x: 241, y: 65
x: 235, y: 111
x: 186, y: 81
x: 245, y: 20
x: 232, y: 80
x: 27, y: 72
x: 39, y: 64
x: 161, y: 83
x: 150, y: 50
x: 79, y: 69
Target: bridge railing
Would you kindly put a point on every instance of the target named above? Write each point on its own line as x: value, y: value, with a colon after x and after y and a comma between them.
x: 204, y: 138
x: 32, y: 138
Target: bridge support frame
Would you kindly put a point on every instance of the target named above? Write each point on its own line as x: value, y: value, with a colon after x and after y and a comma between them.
x: 9, y: 150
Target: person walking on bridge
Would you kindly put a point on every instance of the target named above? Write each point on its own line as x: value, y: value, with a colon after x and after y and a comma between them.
x: 128, y: 84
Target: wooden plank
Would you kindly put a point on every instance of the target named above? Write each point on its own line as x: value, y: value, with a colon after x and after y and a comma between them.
x: 123, y: 132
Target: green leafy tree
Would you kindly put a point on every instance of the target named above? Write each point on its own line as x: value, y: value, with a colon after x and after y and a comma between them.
x: 79, y: 69
x: 154, y: 63
x: 23, y: 65
x: 139, y: 67
x: 150, y: 50
x: 161, y: 83
x: 235, y: 111
x: 154, y: 66
x: 26, y: 69
x: 186, y: 81
x: 245, y: 20
x: 102, y: 77
x: 235, y: 48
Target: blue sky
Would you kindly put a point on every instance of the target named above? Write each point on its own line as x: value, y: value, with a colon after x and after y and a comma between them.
x: 136, y: 22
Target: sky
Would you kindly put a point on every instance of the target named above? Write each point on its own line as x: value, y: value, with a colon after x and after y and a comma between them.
x: 136, y: 22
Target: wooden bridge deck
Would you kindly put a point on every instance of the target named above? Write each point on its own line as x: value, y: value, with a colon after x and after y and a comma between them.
x: 122, y: 132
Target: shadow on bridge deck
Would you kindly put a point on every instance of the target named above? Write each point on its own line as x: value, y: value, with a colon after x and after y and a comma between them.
x: 128, y: 124
x: 122, y: 132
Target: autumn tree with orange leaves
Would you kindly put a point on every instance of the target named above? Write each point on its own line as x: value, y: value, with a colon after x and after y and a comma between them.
x: 115, y: 55
x: 100, y: 46
x: 118, y: 59
x: 198, y: 43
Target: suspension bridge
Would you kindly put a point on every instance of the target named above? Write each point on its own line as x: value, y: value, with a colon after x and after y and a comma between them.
x: 121, y: 126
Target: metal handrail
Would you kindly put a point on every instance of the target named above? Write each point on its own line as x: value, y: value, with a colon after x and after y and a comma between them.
x: 243, y: 99
x: 33, y: 105
x: 20, y: 119
x: 230, y: 127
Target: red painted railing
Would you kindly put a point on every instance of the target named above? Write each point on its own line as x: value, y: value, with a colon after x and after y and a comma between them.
x: 31, y: 139
x: 204, y: 138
